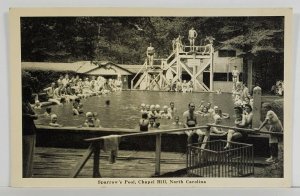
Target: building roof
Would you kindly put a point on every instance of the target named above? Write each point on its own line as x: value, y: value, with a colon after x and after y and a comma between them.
x: 47, y: 66
x: 84, y: 67
x: 132, y: 68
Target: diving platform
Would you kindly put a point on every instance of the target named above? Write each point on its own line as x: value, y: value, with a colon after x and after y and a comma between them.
x: 184, y: 60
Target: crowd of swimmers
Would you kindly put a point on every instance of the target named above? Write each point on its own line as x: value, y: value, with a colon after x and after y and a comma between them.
x: 151, y: 115
x: 67, y: 88
x: 73, y: 89
x: 243, y: 116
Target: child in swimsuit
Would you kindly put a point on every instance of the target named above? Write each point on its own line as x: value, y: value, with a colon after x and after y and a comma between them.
x: 89, y: 122
x: 53, y: 122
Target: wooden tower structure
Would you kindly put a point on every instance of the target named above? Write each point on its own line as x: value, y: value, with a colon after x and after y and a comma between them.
x: 192, y: 62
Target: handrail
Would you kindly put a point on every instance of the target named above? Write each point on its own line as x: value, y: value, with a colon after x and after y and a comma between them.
x: 151, y: 133
x: 95, y: 148
x: 145, y: 64
x: 95, y: 145
x: 245, y: 129
x: 91, y: 129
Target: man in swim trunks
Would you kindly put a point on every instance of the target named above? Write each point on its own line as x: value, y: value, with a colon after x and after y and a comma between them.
x: 192, y: 36
x: 190, y: 120
x: 150, y: 54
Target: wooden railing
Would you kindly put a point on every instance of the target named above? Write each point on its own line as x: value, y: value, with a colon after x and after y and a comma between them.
x: 140, y: 71
x: 96, y: 145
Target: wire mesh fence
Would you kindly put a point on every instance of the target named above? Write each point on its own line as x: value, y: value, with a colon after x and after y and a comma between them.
x: 210, y: 159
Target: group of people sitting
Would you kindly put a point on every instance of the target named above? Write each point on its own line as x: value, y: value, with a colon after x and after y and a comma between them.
x: 243, y: 119
x: 66, y: 88
x: 241, y: 95
x: 184, y: 86
x: 277, y: 89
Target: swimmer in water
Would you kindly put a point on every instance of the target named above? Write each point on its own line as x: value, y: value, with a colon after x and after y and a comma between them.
x: 157, y: 111
x: 151, y: 113
x: 216, y: 130
x: 165, y: 113
x: 143, y: 108
x: 96, y: 120
x: 77, y: 107
x: 107, y: 103
x: 205, y: 111
x: 89, y: 122
x: 172, y: 110
x: 176, y: 122
x: 48, y: 112
x: 144, y: 122
x: 153, y: 124
x: 148, y: 108
x: 53, y: 122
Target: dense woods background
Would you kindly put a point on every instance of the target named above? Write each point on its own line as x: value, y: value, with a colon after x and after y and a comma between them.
x: 124, y: 39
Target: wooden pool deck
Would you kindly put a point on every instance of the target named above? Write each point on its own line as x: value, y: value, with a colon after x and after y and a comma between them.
x: 60, y: 162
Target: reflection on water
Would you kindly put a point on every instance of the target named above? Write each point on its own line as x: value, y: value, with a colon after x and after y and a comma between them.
x: 124, y: 107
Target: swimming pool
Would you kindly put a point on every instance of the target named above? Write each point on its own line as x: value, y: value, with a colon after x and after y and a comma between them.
x: 124, y: 108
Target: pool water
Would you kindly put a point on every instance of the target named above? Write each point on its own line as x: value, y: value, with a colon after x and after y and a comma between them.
x: 124, y: 108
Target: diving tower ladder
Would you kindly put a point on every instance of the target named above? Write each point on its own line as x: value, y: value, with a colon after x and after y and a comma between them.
x: 193, y: 62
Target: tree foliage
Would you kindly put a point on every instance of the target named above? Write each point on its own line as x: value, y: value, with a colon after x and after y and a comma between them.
x: 125, y: 39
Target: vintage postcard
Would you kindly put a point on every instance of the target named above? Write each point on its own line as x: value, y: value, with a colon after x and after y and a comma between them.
x: 120, y: 97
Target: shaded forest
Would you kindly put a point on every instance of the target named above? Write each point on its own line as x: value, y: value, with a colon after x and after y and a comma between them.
x: 124, y: 39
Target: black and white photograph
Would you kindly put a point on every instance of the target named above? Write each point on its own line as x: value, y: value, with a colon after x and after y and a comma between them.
x: 145, y: 99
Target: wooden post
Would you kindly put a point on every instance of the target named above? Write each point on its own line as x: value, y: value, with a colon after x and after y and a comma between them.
x: 206, y: 137
x: 82, y: 162
x: 211, y: 78
x: 157, y: 154
x: 249, y: 73
x: 256, y: 107
x: 96, y: 165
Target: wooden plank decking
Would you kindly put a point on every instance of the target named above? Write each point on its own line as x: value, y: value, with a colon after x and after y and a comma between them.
x: 60, y: 162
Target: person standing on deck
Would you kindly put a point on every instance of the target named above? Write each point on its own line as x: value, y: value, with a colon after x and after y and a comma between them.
x: 235, y: 75
x: 190, y: 120
x: 274, y: 125
x: 178, y: 43
x: 192, y: 36
x: 28, y: 132
x: 150, y: 54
